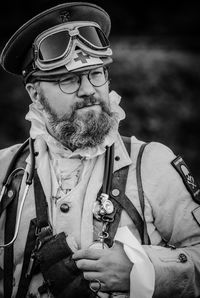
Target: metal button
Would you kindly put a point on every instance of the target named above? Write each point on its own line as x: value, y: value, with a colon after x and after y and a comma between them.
x: 64, y: 207
x: 182, y: 258
x: 115, y: 192
x: 117, y: 158
x: 10, y: 193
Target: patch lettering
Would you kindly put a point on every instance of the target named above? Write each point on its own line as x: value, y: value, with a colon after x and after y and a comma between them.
x: 188, y: 179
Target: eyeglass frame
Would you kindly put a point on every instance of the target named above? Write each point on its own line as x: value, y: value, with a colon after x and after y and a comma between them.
x: 79, y: 75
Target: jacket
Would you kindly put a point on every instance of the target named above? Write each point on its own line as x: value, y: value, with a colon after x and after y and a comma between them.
x: 172, y: 218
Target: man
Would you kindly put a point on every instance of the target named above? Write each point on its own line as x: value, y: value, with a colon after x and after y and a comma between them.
x: 80, y: 215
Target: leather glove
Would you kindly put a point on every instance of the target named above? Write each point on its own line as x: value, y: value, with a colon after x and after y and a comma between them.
x: 62, y: 276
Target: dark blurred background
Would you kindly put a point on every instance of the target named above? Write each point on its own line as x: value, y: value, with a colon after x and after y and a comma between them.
x: 156, y: 70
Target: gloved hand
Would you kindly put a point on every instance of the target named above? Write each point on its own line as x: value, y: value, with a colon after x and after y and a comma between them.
x: 62, y: 276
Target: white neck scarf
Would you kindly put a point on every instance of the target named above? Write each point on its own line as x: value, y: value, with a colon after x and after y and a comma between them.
x: 38, y: 130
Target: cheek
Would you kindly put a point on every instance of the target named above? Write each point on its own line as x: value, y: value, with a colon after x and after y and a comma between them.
x: 62, y: 105
x: 62, y: 108
x: 104, y: 94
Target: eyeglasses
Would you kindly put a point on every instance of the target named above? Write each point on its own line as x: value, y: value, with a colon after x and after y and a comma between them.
x: 72, y: 81
x: 54, y: 47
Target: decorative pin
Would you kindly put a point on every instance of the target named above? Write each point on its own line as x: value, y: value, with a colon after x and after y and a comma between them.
x: 102, y: 206
x: 65, y: 16
x: 108, y: 206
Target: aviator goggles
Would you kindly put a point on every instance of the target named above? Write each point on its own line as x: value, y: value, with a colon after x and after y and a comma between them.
x: 54, y: 47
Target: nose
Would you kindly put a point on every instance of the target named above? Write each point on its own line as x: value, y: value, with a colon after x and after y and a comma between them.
x: 86, y: 88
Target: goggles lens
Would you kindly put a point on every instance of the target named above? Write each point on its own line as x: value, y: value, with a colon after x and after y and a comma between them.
x: 56, y: 45
x: 94, y: 36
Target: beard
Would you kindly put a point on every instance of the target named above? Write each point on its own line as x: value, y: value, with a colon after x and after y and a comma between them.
x: 77, y: 131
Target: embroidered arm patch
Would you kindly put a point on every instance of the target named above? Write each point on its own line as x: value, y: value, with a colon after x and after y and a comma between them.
x: 188, y: 179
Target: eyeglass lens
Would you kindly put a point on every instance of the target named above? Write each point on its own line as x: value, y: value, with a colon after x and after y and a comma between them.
x: 97, y: 77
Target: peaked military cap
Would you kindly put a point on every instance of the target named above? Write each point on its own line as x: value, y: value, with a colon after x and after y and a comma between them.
x: 15, y: 51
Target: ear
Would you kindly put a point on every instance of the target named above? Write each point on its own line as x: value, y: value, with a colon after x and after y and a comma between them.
x: 34, y: 94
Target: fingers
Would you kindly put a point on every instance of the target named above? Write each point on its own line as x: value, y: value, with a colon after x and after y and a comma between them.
x: 96, y: 285
x: 90, y: 254
x: 87, y: 265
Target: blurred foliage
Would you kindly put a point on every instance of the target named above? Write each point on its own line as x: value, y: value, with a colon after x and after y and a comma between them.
x: 160, y: 88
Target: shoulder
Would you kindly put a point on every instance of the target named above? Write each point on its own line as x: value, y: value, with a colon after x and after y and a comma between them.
x: 155, y: 154
x: 6, y: 156
x: 8, y: 152
x: 157, y: 171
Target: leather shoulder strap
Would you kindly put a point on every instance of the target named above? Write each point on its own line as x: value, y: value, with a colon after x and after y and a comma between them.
x: 10, y: 202
x: 146, y: 239
x: 9, y: 230
x: 140, y: 224
x: 36, y: 225
x: 121, y: 201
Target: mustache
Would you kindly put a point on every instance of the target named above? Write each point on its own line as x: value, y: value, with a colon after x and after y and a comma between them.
x: 86, y: 102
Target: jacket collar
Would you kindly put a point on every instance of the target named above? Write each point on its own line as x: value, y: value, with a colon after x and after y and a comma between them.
x: 121, y: 156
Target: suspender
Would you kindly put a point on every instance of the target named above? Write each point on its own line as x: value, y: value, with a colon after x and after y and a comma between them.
x: 145, y: 239
x: 9, y: 233
x: 35, y: 228
x: 129, y: 207
x: 120, y: 202
x: 25, y: 278
x: 10, y: 202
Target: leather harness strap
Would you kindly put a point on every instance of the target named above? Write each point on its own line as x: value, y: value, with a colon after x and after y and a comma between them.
x: 121, y: 201
x: 36, y: 225
x: 11, y: 213
x: 10, y: 202
x: 145, y: 238
x: 30, y: 245
x: 40, y: 204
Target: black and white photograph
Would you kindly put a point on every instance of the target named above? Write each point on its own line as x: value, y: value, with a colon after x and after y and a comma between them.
x: 100, y: 149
